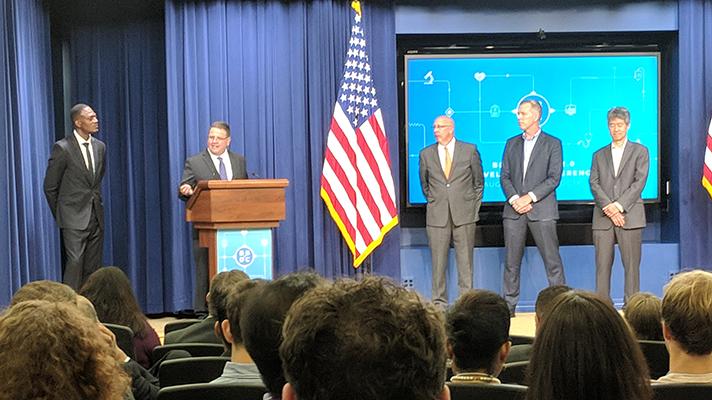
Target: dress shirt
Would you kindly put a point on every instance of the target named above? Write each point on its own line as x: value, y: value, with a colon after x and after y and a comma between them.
x: 450, y: 148
x: 84, y: 153
x: 226, y: 160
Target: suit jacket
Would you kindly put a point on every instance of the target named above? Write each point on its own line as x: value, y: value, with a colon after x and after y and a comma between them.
x: 461, y: 194
x: 625, y: 188
x: 542, y: 179
x: 70, y: 188
x: 199, y: 332
x: 200, y: 167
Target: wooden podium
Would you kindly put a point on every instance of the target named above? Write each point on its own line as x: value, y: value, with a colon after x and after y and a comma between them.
x: 237, y: 205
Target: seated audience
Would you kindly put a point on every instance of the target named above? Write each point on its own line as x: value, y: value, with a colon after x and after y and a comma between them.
x: 544, y: 300
x: 687, y: 327
x: 478, y: 336
x: 110, y: 291
x: 44, y: 290
x: 584, y: 350
x: 50, y: 351
x: 261, y: 320
x: 367, y: 340
x: 204, y: 331
x: 240, y: 370
x: 644, y: 315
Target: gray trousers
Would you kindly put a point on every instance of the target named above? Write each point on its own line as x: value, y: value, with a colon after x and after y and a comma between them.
x: 547, y: 241
x: 463, y: 238
x: 629, y: 242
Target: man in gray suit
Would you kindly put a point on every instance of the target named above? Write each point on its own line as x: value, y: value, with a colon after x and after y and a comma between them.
x: 218, y: 163
x: 452, y: 182
x: 72, y: 186
x: 531, y: 172
x: 618, y: 175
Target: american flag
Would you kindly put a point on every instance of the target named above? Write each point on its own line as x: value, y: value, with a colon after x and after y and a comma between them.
x: 356, y: 181
x: 707, y: 168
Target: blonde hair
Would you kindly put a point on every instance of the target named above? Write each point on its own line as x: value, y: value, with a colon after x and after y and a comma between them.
x: 687, y: 311
x: 50, y: 351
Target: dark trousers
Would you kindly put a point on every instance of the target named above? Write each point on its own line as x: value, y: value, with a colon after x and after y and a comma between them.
x: 200, y: 284
x: 83, y: 252
x: 515, y: 237
x: 629, y: 241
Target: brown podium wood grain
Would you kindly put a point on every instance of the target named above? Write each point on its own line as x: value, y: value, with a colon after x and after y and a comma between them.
x: 236, y: 204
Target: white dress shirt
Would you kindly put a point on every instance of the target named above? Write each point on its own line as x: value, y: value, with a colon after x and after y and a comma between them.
x: 81, y: 141
x: 226, y: 160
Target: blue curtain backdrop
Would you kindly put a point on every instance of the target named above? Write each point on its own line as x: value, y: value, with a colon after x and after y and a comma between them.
x: 29, y: 244
x: 272, y: 69
x: 695, y: 111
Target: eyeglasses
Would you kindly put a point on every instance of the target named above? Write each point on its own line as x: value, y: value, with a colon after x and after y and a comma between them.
x: 217, y: 138
x: 437, y: 126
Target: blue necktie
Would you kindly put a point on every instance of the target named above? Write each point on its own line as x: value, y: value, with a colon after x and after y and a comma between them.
x: 221, y: 169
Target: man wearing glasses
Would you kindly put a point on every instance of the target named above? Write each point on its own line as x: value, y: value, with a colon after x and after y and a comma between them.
x: 216, y: 162
x: 452, y: 181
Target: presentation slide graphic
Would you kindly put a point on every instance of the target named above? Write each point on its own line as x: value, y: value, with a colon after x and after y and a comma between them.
x: 482, y: 93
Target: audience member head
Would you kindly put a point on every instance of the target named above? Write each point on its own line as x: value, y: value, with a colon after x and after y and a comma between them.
x: 110, y: 291
x: 643, y: 311
x: 585, y: 350
x: 261, y: 320
x: 544, y: 301
x: 478, y: 332
x: 364, y: 340
x: 687, y: 312
x: 234, y: 302
x: 220, y: 286
x: 50, y: 351
x: 45, y: 290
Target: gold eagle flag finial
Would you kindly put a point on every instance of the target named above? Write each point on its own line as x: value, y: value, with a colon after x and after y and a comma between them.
x: 356, y: 5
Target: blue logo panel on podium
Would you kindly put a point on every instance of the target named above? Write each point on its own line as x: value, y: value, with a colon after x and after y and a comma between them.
x: 249, y: 250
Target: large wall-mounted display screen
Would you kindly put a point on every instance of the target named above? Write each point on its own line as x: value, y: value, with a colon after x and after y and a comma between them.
x: 481, y: 93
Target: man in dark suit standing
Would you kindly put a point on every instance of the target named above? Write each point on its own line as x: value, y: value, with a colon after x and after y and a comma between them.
x: 72, y: 186
x: 531, y: 172
x: 618, y: 175
x: 214, y: 163
x: 452, y: 181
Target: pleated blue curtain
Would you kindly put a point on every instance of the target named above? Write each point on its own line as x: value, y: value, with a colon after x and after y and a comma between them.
x: 29, y: 240
x: 695, y: 111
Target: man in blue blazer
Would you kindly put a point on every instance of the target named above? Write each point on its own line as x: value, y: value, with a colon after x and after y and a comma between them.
x: 216, y: 162
x: 72, y: 186
x: 452, y: 181
x: 618, y: 175
x: 531, y: 172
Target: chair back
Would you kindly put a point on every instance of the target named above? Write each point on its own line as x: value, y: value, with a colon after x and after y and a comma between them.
x: 486, y: 391
x: 124, y: 338
x: 682, y: 391
x: 183, y: 371
x: 514, y: 372
x: 657, y: 357
x: 521, y: 339
x: 180, y: 324
x: 209, y: 391
x: 195, y: 350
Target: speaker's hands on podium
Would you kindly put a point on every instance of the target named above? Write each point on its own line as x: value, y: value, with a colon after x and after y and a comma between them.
x: 186, y: 190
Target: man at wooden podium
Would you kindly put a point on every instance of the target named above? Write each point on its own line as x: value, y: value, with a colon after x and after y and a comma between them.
x: 216, y: 162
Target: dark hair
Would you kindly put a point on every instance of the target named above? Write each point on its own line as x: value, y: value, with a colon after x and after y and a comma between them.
x: 221, y: 125
x: 110, y: 291
x: 584, y: 350
x: 261, y: 321
x: 48, y: 350
x: 545, y: 299
x: 364, y: 340
x: 236, y: 301
x: 220, y: 287
x: 45, y: 290
x: 76, y: 111
x: 477, y: 326
x: 687, y: 311
x: 643, y: 311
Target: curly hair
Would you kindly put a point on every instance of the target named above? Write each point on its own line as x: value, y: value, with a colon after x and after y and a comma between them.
x: 584, y: 350
x: 44, y: 290
x: 50, y: 351
x: 364, y: 340
x: 110, y: 291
